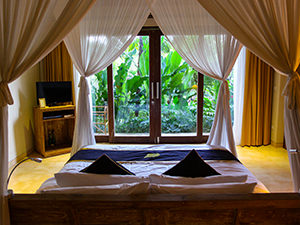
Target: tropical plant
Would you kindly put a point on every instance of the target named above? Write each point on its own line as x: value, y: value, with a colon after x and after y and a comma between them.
x: 178, y: 91
x: 179, y: 95
x: 99, y: 91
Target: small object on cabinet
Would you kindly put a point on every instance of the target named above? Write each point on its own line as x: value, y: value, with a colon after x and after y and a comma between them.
x: 42, y: 102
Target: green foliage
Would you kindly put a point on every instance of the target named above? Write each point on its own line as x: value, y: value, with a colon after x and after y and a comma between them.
x: 132, y: 119
x: 179, y: 99
x: 99, y: 88
x: 179, y: 121
x: 178, y: 91
x: 211, y: 90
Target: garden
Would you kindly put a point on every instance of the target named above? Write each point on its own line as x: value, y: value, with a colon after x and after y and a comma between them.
x: 178, y: 92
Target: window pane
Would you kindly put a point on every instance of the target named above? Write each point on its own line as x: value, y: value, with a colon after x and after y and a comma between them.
x: 210, y: 89
x: 98, y: 84
x: 131, y: 89
x: 178, y: 93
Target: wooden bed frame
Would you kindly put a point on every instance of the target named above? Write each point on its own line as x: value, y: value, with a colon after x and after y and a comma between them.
x: 246, y: 209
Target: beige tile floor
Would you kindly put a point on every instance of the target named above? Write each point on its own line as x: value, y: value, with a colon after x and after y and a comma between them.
x: 267, y: 163
x: 270, y: 165
x: 28, y: 177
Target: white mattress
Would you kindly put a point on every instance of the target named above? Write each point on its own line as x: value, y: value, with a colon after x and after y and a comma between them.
x: 145, y: 168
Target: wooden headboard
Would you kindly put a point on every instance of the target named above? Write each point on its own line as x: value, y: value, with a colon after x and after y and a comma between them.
x: 58, y: 209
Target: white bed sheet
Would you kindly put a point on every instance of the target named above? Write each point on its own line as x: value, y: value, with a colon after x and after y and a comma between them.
x: 145, y: 168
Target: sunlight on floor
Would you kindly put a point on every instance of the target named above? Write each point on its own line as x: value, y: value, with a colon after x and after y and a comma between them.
x: 29, y: 176
x: 269, y: 164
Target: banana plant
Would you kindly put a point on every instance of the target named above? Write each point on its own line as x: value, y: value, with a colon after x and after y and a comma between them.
x: 178, y: 90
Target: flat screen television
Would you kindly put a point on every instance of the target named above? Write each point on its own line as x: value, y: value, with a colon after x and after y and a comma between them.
x: 55, y: 93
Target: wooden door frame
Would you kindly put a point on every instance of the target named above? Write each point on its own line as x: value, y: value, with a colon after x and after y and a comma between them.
x: 154, y: 34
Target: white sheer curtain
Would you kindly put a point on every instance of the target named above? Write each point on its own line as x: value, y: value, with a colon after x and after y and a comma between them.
x: 208, y: 48
x: 271, y: 30
x: 238, y: 94
x: 29, y: 30
x: 100, y: 37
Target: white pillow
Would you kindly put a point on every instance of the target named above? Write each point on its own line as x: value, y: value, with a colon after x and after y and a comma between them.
x: 164, y: 179
x: 116, y: 189
x: 89, y: 179
x: 228, y: 188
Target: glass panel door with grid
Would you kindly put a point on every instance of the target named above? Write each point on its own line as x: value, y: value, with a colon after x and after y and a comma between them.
x: 131, y: 90
x: 152, y: 95
x: 179, y: 85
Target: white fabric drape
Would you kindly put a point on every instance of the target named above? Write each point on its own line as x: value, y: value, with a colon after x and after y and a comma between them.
x: 238, y: 94
x: 208, y: 48
x: 294, y: 159
x: 271, y: 30
x: 29, y: 30
x: 100, y: 37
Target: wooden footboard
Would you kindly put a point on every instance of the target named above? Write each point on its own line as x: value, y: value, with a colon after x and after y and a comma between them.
x: 56, y: 209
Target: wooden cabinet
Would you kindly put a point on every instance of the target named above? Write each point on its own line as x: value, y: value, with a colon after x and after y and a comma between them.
x: 54, y: 128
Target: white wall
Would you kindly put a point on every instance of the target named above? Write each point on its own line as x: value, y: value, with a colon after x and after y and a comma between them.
x: 20, y: 114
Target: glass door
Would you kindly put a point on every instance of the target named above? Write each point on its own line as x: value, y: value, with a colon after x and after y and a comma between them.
x: 179, y: 84
x: 152, y: 95
x: 131, y: 90
x: 180, y: 108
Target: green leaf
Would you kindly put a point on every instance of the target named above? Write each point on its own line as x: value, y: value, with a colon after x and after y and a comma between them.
x: 175, y: 100
x: 144, y: 63
x: 176, y: 81
x: 175, y: 61
x: 134, y: 83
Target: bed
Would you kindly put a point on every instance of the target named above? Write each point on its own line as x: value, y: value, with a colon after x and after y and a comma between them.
x: 157, y: 203
x: 148, y: 162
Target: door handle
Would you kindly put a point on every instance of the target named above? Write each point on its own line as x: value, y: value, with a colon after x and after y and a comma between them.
x: 152, y: 90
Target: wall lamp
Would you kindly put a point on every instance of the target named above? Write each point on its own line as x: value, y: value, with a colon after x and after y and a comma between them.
x: 38, y: 160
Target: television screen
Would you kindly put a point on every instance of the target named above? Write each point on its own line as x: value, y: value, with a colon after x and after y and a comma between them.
x: 55, y: 93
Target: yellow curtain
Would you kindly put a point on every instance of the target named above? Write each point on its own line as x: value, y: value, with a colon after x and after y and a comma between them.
x: 57, y: 65
x: 256, y: 126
